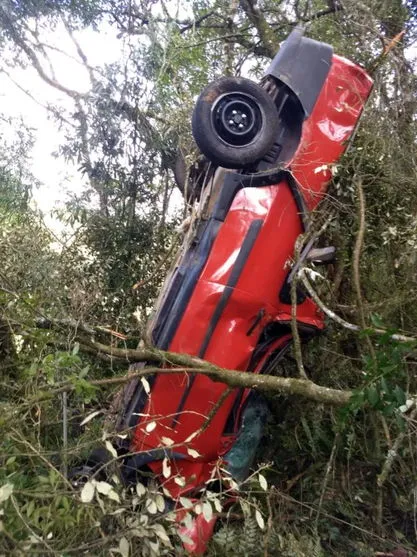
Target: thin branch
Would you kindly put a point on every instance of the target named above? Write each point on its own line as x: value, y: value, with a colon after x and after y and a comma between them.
x: 345, y: 324
x: 393, y: 454
x: 56, y: 113
x: 336, y: 7
x: 80, y: 53
x: 356, y: 262
x: 197, y: 22
x: 20, y: 439
x: 294, y: 327
x: 66, y: 324
x: 357, y: 252
x: 329, y: 468
x: 214, y: 410
x: 39, y: 539
x: 165, y: 258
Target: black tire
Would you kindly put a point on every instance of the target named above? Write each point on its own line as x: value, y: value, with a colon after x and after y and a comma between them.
x: 234, y: 122
x: 81, y: 473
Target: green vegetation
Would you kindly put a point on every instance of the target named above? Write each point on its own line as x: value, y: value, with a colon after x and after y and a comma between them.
x: 335, y: 480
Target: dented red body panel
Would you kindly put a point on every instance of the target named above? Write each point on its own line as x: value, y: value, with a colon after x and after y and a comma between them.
x: 326, y: 132
x: 269, y: 219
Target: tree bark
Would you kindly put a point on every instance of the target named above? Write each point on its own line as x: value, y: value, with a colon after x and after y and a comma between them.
x: 183, y: 363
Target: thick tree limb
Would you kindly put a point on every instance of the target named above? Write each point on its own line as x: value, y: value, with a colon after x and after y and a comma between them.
x: 235, y: 379
x: 265, y: 32
x: 183, y: 363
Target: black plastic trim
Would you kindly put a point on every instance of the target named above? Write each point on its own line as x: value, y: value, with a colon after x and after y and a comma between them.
x: 285, y: 293
x: 303, y: 65
x: 188, y: 274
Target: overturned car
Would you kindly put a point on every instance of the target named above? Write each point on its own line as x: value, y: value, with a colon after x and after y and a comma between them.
x: 269, y: 150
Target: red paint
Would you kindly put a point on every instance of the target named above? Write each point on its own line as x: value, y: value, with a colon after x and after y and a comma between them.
x: 331, y: 124
x: 199, y: 534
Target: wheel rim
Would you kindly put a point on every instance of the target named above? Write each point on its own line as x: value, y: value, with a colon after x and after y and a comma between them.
x: 236, y: 118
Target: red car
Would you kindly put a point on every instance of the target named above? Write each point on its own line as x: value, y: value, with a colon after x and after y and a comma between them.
x: 228, y: 298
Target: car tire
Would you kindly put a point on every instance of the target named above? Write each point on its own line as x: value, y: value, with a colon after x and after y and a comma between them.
x: 96, y: 461
x: 234, y: 122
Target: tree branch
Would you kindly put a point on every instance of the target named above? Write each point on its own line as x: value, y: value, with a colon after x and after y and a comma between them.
x: 65, y: 324
x: 345, y: 324
x: 54, y: 111
x: 20, y: 42
x: 265, y: 32
x: 80, y: 52
x: 197, y: 22
x: 235, y: 379
x: 190, y: 365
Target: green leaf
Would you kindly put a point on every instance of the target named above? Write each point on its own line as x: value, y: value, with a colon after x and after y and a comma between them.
x: 30, y: 508
x: 5, y: 492
x: 388, y: 369
x: 384, y: 386
x: 399, y: 395
x: 376, y: 320
x: 372, y: 395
